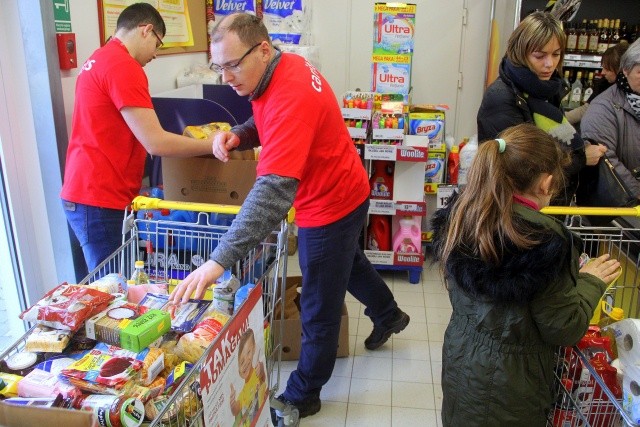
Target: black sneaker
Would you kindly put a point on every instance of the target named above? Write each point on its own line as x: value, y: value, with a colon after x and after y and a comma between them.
x: 307, y: 407
x: 381, y: 334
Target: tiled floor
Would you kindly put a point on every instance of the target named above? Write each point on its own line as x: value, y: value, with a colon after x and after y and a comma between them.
x: 397, y: 385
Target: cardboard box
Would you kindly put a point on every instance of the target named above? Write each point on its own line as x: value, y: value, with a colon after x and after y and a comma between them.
x: 29, y: 416
x: 292, y: 328
x: 208, y: 180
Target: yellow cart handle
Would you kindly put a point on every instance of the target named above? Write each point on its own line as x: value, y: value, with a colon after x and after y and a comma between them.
x: 142, y: 202
x: 581, y: 210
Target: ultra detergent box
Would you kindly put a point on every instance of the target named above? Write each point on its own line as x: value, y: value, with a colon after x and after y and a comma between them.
x: 391, y: 74
x: 394, y: 28
x: 429, y: 124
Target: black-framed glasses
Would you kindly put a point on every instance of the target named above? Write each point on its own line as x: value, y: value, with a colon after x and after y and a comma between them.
x: 159, y: 43
x: 232, y: 68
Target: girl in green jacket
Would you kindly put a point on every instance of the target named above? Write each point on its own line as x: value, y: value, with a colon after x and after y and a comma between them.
x: 514, y: 282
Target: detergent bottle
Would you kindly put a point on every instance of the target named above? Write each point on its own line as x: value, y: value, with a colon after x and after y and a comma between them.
x: 467, y: 153
x: 610, y: 314
x: 381, y: 180
x: 453, y: 165
x: 407, y: 238
x: 379, y: 233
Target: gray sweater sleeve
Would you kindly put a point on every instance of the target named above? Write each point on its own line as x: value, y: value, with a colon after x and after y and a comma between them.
x: 265, y: 206
x: 248, y: 134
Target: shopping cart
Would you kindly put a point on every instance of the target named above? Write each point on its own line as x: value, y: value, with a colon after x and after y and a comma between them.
x: 587, y: 394
x: 170, y: 249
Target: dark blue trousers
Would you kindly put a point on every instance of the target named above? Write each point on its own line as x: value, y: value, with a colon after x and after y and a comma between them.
x: 332, y: 263
x: 99, y: 230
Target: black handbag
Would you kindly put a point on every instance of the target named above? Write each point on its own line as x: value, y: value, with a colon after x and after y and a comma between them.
x: 601, y: 186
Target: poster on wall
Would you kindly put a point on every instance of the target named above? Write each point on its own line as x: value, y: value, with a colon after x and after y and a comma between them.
x: 174, y: 12
x: 233, y: 377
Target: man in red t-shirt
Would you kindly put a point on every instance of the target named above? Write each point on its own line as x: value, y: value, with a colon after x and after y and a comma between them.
x: 114, y: 126
x: 309, y: 161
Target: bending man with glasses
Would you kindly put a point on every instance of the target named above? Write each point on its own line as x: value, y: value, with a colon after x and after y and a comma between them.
x: 114, y: 126
x: 309, y: 161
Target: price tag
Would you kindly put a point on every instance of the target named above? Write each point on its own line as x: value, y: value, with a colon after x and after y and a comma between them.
x: 445, y: 192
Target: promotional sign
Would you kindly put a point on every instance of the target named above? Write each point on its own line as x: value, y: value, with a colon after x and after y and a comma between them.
x: 234, y: 377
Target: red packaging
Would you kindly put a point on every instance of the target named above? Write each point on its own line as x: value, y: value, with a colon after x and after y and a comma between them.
x: 67, y: 306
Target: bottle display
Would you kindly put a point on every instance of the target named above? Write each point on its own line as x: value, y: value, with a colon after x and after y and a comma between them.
x: 453, y: 165
x: 379, y: 233
x: 592, y: 45
x: 583, y: 38
x: 603, y: 39
x: 381, y: 181
x: 576, y: 91
x: 467, y: 153
x: 407, y: 237
x: 572, y: 39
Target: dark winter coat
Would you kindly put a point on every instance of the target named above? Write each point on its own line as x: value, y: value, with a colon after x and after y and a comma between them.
x: 507, y: 321
x: 504, y: 105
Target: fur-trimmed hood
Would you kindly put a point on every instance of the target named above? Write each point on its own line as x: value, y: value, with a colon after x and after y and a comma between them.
x: 521, y: 273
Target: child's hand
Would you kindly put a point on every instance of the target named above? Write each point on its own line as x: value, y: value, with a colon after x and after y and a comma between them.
x: 603, y: 268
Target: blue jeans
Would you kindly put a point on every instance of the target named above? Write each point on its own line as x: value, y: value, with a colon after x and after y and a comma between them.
x: 99, y: 230
x: 332, y: 263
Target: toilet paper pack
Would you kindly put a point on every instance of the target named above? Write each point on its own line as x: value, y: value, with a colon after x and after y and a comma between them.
x: 287, y: 21
x: 627, y: 335
x: 222, y: 8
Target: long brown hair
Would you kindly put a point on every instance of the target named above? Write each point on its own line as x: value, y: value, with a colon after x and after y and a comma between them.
x: 482, y: 219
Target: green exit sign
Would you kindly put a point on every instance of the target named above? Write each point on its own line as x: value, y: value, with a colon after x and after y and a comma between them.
x: 62, y: 16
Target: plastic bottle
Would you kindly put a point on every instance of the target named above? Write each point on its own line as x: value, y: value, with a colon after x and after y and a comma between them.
x: 467, y: 154
x: 407, y: 238
x: 381, y: 180
x: 113, y: 411
x: 453, y: 165
x: 379, y: 233
x: 610, y: 314
x: 139, y: 276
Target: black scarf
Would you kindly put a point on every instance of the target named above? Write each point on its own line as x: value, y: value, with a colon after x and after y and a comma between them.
x: 541, y: 95
x: 633, y: 97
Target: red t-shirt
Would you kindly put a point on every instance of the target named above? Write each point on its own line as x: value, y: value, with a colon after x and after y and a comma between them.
x: 303, y: 136
x: 105, y: 161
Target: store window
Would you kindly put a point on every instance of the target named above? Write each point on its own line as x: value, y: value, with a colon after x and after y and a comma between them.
x: 11, y: 295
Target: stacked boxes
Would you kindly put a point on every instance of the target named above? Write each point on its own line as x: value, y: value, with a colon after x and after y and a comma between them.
x: 394, y: 30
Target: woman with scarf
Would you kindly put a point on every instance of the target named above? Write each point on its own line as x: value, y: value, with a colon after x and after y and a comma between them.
x: 529, y: 89
x: 613, y: 119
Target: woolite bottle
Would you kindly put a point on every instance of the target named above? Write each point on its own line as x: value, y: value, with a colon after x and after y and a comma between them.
x: 381, y: 180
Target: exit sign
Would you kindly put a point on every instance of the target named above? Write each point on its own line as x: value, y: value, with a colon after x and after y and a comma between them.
x: 62, y: 16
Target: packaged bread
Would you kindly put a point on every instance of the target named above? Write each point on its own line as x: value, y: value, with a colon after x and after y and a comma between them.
x: 193, y: 344
x: 203, y: 131
x: 47, y: 340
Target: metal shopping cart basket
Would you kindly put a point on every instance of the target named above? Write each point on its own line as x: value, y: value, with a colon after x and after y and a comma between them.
x: 587, y: 394
x: 170, y: 250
